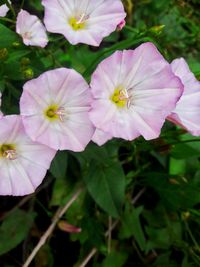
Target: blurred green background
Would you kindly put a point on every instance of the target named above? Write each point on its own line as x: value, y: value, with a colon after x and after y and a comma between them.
x: 140, y: 201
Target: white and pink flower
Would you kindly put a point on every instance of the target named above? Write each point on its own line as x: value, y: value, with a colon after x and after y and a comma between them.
x: 55, y: 110
x: 134, y: 91
x: 31, y: 29
x: 23, y: 163
x: 86, y: 21
x: 187, y: 111
x: 4, y: 10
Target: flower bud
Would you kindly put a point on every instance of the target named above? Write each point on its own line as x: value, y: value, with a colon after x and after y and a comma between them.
x: 121, y: 25
x: 185, y: 215
x: 66, y: 227
x: 28, y: 73
x: 3, y: 53
x: 157, y: 30
x: 16, y: 44
x: 25, y: 61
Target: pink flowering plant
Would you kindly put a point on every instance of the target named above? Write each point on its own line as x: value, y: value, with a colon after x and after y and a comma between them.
x: 99, y: 133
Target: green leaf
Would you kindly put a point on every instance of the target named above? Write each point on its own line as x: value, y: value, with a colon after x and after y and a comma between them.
x: 116, y: 259
x: 14, y: 229
x: 16, y: 55
x: 175, y: 193
x: 59, y: 165
x: 7, y: 37
x: 106, y: 184
x: 185, y: 262
x: 92, y: 232
x: 131, y: 226
x: 177, y: 166
x: 183, y: 151
x: 60, y: 192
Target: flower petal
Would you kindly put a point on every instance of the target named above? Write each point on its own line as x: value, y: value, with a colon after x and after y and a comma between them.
x: 102, y: 18
x: 152, y: 88
x: 31, y: 29
x: 4, y: 10
x: 187, y: 111
x: 67, y: 91
x: 24, y: 173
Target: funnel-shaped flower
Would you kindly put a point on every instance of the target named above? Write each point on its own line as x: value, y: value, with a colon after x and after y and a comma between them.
x: 31, y: 29
x: 3, y: 10
x: 187, y: 111
x: 86, y: 21
x: 23, y: 163
x: 55, y: 110
x: 134, y: 91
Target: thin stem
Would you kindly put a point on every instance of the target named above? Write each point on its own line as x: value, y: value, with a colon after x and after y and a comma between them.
x: 131, y: 29
x: 94, y: 250
x: 109, y: 233
x: 60, y: 212
x: 191, y: 235
x: 22, y: 4
x: 7, y: 20
x: 88, y: 258
x: 11, y: 8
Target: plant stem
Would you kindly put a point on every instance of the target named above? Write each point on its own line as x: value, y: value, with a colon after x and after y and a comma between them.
x: 94, y: 250
x: 60, y: 212
x: 8, y: 20
x: 11, y: 8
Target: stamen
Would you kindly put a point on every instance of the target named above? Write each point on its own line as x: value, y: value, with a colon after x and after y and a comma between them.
x: 61, y: 112
x: 121, y: 97
x: 123, y: 94
x: 10, y: 154
x: 82, y: 18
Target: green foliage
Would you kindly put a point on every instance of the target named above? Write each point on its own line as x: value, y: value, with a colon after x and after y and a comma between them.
x: 116, y: 259
x: 131, y: 226
x: 106, y: 184
x: 14, y: 229
x: 161, y: 177
x: 7, y: 37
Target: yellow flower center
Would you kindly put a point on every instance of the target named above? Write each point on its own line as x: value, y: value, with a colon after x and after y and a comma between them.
x: 120, y: 97
x: 76, y: 26
x: 8, y: 151
x: 54, y: 112
x: 79, y: 22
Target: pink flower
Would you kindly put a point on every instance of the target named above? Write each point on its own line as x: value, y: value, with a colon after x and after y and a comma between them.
x: 55, y: 110
x: 100, y: 137
x: 86, y: 21
x: 134, y: 91
x: 187, y: 111
x: 23, y: 163
x: 4, y: 10
x: 31, y: 29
